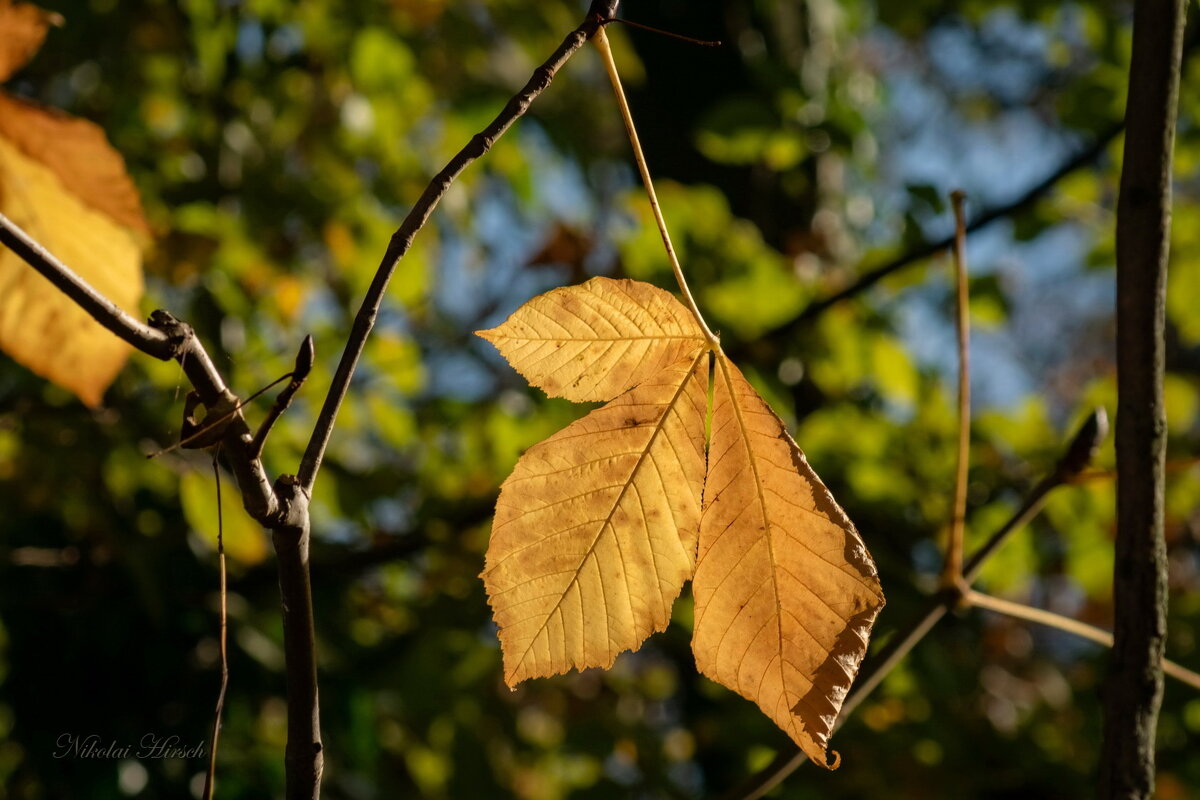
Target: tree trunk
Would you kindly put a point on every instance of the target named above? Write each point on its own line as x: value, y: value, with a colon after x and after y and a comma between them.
x: 1133, y: 691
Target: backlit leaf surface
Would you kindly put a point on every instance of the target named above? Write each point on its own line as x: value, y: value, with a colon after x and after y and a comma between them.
x: 785, y: 590
x: 62, y: 183
x: 23, y: 27
x: 598, y: 339
x: 595, y: 530
x: 599, y: 526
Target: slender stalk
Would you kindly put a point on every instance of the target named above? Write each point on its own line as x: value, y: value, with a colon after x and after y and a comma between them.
x: 402, y: 239
x: 952, y: 568
x: 299, y: 373
x: 669, y: 34
x: 1133, y: 692
x: 210, y: 779
x: 213, y: 425
x: 611, y: 65
x: 1049, y: 619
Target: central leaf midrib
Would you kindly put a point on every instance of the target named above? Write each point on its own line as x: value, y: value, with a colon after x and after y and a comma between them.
x: 762, y: 502
x: 672, y: 336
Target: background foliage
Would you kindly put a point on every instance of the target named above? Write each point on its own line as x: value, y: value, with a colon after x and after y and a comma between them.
x: 277, y: 145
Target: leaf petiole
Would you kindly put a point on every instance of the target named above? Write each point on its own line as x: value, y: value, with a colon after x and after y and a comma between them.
x: 601, y: 40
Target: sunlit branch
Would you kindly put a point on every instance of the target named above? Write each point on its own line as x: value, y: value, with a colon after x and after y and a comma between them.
x: 952, y: 569
x: 1049, y: 619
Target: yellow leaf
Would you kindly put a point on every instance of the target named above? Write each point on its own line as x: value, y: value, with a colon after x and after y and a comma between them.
x: 598, y: 526
x: 78, y: 154
x: 596, y: 340
x: 39, y: 326
x: 23, y: 27
x: 65, y: 185
x: 595, y: 530
x: 785, y: 590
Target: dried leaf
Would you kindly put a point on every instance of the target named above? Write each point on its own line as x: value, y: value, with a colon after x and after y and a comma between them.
x: 77, y: 152
x: 39, y: 326
x: 22, y: 30
x: 595, y: 530
x: 785, y: 590
x: 596, y: 340
x: 63, y: 183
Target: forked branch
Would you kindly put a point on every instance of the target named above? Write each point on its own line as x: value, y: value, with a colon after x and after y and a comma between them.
x: 283, y: 507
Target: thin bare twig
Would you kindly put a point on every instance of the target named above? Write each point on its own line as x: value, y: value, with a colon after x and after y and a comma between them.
x: 952, y: 568
x: 299, y: 373
x: 669, y: 34
x: 402, y: 239
x: 1040, y: 616
x: 210, y: 779
x: 164, y: 338
x: 212, y: 426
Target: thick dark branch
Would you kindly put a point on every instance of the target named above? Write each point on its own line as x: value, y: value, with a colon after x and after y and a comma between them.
x: 1133, y: 691
x: 164, y: 338
x: 402, y: 239
x: 1079, y: 452
x: 928, y: 249
x: 304, y: 758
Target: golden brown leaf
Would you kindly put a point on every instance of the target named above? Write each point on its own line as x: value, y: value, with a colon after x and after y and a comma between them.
x: 595, y: 530
x: 580, y: 567
x: 785, y: 590
x: 77, y: 152
x: 39, y: 326
x: 23, y: 27
x: 596, y: 340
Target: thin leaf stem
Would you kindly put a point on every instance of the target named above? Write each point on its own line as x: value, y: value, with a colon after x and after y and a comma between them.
x: 610, y: 65
x: 1049, y: 619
